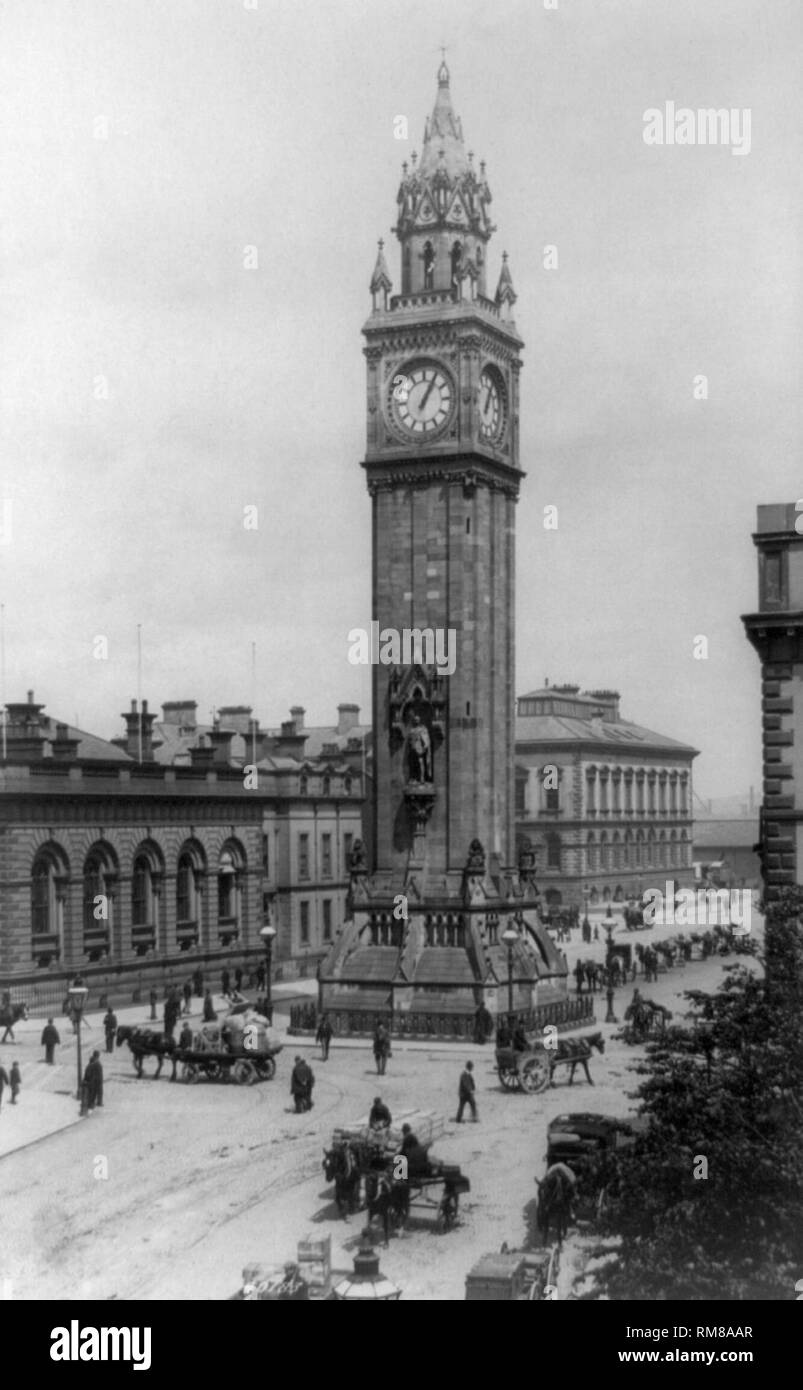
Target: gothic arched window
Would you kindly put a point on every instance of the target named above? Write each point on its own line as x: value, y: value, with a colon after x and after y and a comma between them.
x: 49, y: 876
x: 457, y: 261
x: 429, y: 266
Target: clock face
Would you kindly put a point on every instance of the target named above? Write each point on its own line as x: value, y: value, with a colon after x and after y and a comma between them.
x: 422, y: 398
x: 492, y: 406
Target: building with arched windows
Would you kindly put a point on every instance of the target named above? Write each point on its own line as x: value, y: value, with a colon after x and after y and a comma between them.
x: 606, y: 804
x: 172, y: 846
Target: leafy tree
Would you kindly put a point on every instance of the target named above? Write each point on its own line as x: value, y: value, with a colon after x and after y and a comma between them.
x: 726, y: 1089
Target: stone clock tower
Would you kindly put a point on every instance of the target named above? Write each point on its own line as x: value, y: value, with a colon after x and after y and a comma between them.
x: 424, y: 941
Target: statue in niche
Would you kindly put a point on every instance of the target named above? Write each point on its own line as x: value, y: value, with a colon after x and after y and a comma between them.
x: 419, y: 752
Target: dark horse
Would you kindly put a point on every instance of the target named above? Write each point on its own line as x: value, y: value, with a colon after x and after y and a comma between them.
x: 146, y: 1042
x: 575, y: 1052
x: 9, y: 1015
x: 555, y: 1194
x: 342, y: 1167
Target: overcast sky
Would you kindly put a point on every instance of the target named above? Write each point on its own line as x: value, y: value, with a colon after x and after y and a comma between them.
x: 153, y: 387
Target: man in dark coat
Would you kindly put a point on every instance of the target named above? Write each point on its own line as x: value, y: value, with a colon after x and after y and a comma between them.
x: 381, y: 1048
x: 185, y: 1039
x: 225, y: 980
x: 210, y: 1015
x: 379, y: 1115
x: 198, y: 982
x: 50, y: 1041
x: 172, y: 1011
x: 15, y: 1082
x: 465, y: 1093
x: 187, y: 992
x: 93, y: 1082
x: 302, y: 1081
x: 109, y: 1028
x: 238, y: 979
x: 324, y: 1036
x: 579, y: 975
x: 154, y: 999
x: 261, y: 975
x: 4, y: 1081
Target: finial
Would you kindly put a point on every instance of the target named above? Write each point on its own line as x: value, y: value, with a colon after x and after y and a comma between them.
x: 504, y: 255
x: 415, y: 158
x: 471, y: 156
x: 404, y: 168
x: 443, y: 71
x: 482, y: 167
x: 381, y: 244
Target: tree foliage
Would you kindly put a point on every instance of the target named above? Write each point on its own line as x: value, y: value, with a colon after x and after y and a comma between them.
x: 727, y: 1088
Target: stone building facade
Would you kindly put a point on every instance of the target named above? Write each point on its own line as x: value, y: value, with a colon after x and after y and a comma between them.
x: 606, y: 804
x: 173, y: 845
x: 776, y: 632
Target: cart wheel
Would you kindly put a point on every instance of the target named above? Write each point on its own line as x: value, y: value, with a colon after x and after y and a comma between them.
x: 189, y: 1072
x: 212, y: 1070
x: 266, y: 1068
x: 243, y: 1073
x: 535, y: 1074
x: 509, y: 1078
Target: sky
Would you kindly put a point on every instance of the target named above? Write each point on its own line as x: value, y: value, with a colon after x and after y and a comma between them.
x: 156, y: 383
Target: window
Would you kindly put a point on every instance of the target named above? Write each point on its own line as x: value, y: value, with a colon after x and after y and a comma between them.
x: 348, y: 845
x: 185, y: 889
x: 304, y: 919
x: 303, y: 784
x: 347, y: 786
x: 99, y: 870
x: 327, y: 919
x: 552, y: 800
x: 429, y: 266
x: 141, y: 893
x: 553, y: 851
x: 326, y: 786
x: 49, y: 876
x: 303, y: 856
x: 266, y: 855
x: 457, y: 259
x: 326, y: 856
x: 521, y: 796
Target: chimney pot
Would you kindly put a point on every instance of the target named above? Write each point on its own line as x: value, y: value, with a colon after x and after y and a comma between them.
x: 30, y: 697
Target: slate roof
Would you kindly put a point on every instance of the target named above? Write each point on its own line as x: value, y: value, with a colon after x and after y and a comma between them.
x: 90, y: 747
x: 554, y: 728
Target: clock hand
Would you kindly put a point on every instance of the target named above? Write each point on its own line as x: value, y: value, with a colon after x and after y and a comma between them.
x: 487, y: 398
x: 426, y: 393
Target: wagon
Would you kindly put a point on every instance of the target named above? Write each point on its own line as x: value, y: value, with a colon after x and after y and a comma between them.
x: 522, y: 1071
x: 243, y: 1067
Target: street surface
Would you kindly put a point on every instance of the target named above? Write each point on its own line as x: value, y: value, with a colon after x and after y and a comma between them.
x: 205, y: 1179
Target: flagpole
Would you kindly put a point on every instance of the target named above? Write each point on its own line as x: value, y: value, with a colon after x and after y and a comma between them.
x: 139, y: 684
x: 253, y: 704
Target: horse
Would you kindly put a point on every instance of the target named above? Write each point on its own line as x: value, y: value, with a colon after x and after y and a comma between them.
x: 9, y: 1015
x: 555, y: 1195
x: 341, y: 1166
x: 573, y: 1053
x: 391, y: 1203
x: 147, y: 1042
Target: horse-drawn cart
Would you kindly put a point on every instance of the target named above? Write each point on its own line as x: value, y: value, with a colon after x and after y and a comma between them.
x: 241, y: 1067
x: 242, y: 1049
x: 522, y: 1071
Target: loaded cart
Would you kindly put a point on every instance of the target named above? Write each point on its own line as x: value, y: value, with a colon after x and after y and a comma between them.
x: 242, y: 1049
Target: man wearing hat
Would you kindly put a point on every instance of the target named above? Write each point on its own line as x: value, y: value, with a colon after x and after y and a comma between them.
x: 465, y: 1093
x: 302, y: 1081
x: 379, y: 1116
x: 93, y: 1082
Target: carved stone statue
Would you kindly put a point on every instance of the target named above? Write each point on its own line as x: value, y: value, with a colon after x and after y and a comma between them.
x: 475, y: 864
x: 358, y: 863
x: 419, y: 752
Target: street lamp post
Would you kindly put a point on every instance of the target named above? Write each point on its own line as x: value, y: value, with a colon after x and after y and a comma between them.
x: 510, y: 936
x: 78, y: 995
x: 268, y: 933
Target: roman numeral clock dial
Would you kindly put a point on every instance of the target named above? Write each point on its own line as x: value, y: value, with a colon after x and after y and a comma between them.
x: 422, y: 399
x: 492, y: 406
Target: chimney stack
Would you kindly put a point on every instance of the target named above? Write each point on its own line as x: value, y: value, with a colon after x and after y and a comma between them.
x: 348, y: 717
x: 297, y: 713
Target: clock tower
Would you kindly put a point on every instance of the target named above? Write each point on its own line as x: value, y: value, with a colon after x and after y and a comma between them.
x: 442, y: 468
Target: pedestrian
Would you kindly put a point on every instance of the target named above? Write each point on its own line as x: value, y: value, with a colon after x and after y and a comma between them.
x: 15, y: 1082
x: 238, y: 979
x: 579, y: 973
x: 187, y: 992
x: 381, y: 1048
x: 596, y: 933
x: 185, y: 1038
x: 154, y: 1000
x: 93, y: 1083
x: 465, y: 1093
x: 172, y: 1011
x: 50, y: 1041
x: 261, y: 976
x: 210, y: 1015
x: 302, y: 1081
x: 379, y: 1116
x: 109, y: 1028
x: 198, y: 982
x: 225, y: 980
x: 4, y: 1081
x: 324, y: 1036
